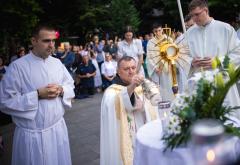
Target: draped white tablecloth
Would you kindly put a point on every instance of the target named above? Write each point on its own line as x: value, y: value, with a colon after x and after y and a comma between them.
x: 149, y: 148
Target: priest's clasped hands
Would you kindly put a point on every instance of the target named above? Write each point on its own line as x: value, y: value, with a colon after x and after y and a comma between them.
x: 51, y: 91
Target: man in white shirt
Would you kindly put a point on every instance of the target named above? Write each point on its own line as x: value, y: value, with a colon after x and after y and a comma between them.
x: 209, y: 38
x: 34, y: 91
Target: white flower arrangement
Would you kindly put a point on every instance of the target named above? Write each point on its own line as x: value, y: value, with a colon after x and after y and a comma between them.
x: 204, y: 99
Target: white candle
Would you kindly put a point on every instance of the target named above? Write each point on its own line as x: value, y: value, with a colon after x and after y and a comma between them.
x: 164, y: 109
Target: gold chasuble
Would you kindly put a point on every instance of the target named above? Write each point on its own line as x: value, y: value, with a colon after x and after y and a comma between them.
x: 126, y: 143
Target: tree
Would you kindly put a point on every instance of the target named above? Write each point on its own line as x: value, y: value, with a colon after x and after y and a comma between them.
x: 18, y: 17
x: 172, y: 12
x: 76, y: 17
x: 229, y: 10
x: 123, y: 13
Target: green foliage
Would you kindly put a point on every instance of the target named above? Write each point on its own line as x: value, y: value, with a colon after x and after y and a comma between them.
x: 226, y: 62
x: 172, y: 11
x: 123, y: 13
x: 75, y: 18
x: 80, y: 17
x: 207, y: 102
x: 229, y: 10
x: 18, y: 17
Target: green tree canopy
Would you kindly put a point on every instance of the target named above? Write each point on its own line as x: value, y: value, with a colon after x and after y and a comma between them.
x: 227, y: 11
x: 81, y: 17
x: 17, y: 19
x: 123, y: 12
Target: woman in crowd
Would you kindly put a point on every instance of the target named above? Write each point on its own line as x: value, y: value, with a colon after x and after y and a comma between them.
x: 109, y: 69
x: 131, y: 47
x: 86, y: 72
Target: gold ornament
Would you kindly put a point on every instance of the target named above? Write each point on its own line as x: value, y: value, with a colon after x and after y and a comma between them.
x: 168, y: 55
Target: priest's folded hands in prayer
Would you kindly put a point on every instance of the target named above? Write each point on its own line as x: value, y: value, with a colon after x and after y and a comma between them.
x: 205, y: 63
x: 51, y: 91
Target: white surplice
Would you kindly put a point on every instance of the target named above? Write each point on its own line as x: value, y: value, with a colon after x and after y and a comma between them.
x: 110, y: 139
x: 216, y: 39
x: 41, y: 136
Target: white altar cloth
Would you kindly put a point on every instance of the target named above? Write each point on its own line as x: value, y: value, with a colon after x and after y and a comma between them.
x: 149, y: 148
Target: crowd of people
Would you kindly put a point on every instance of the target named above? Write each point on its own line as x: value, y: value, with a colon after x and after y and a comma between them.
x: 106, y: 52
x: 37, y: 85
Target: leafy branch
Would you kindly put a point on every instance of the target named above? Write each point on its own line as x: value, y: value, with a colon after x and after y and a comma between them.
x: 207, y: 102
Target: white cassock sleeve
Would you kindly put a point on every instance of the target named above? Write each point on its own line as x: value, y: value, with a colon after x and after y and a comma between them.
x: 15, y: 102
x: 234, y: 46
x: 68, y: 86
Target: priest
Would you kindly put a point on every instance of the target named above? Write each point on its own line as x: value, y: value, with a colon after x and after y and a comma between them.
x: 34, y: 91
x: 124, y: 110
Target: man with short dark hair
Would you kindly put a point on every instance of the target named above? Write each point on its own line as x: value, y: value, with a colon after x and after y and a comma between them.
x: 123, y: 111
x: 209, y: 38
x: 34, y: 91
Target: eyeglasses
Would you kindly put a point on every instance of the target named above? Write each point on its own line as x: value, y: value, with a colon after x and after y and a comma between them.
x: 48, y: 40
x: 196, y: 14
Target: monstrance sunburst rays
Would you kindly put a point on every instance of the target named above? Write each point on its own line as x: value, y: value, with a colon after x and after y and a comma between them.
x: 178, y: 57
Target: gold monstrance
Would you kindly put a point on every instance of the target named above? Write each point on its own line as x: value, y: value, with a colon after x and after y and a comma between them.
x: 170, y: 55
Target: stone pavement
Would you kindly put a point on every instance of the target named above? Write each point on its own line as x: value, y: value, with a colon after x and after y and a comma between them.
x: 83, y: 122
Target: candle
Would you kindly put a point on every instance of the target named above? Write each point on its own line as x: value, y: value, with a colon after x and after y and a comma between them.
x: 210, y: 155
x: 164, y: 109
